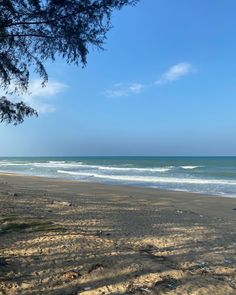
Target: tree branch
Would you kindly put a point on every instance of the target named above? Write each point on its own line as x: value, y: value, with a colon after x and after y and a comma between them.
x: 31, y: 35
x: 41, y: 22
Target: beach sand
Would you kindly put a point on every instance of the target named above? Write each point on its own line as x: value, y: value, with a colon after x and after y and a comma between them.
x: 68, y: 237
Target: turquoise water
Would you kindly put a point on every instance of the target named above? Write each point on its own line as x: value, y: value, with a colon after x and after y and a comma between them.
x: 212, y: 175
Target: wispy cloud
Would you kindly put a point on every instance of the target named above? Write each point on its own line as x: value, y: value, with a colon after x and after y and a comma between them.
x: 176, y: 72
x: 120, y: 89
x: 40, y: 98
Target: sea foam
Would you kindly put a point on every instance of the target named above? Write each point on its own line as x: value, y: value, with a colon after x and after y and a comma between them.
x: 190, y: 167
x: 150, y: 179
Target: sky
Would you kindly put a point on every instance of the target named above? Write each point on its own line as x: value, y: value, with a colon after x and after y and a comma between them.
x: 165, y: 85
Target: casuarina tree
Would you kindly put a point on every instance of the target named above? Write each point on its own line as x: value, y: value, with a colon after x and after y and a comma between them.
x: 34, y: 31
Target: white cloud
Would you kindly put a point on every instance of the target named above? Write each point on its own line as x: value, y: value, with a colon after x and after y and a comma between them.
x: 176, y: 72
x: 39, y: 97
x: 120, y: 90
x: 136, y: 88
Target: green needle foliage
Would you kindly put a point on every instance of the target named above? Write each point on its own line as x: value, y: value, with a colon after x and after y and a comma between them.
x: 33, y: 31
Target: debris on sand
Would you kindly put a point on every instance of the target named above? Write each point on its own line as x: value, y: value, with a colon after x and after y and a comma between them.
x: 12, y: 194
x: 62, y: 203
x: 96, y: 267
x: 168, y: 283
x: 71, y: 275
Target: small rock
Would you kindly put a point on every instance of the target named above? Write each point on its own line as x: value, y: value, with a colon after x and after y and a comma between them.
x: 234, y: 209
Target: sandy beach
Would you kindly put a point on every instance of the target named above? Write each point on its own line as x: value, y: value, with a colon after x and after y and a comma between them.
x: 68, y: 237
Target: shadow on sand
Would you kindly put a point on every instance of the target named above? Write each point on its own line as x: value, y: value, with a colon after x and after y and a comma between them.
x: 107, y: 243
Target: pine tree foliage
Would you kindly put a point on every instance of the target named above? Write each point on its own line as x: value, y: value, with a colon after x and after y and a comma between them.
x: 34, y: 31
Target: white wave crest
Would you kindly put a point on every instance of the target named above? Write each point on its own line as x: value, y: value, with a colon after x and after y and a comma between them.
x: 80, y: 165
x: 151, y: 179
x: 190, y: 167
x: 55, y: 164
x: 14, y: 164
x: 160, y: 169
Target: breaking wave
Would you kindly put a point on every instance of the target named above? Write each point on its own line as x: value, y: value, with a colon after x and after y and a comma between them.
x: 214, y: 176
x: 190, y: 167
x: 150, y: 179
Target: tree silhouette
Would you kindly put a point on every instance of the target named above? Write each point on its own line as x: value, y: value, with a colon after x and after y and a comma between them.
x: 33, y: 31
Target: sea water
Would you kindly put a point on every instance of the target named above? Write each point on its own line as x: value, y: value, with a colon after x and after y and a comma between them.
x: 211, y: 175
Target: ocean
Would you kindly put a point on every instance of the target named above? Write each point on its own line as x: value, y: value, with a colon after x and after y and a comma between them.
x: 211, y: 175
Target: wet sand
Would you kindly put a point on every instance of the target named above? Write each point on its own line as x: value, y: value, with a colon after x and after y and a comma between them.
x: 68, y: 237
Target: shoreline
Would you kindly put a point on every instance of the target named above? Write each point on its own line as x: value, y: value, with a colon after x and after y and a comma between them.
x: 118, y: 185
x: 69, y: 237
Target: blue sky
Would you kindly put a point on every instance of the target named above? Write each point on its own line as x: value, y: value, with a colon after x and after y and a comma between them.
x: 165, y: 85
